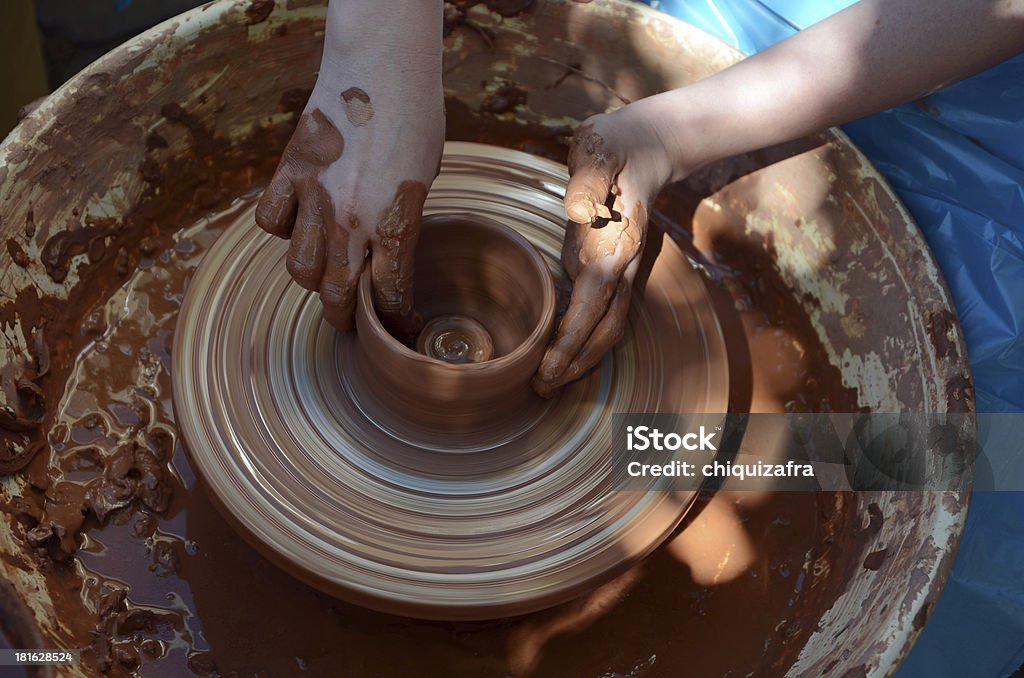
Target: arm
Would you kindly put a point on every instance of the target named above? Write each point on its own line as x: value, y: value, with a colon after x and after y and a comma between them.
x: 354, y: 176
x: 869, y: 57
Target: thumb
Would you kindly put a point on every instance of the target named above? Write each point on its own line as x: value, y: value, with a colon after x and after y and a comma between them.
x: 592, y: 169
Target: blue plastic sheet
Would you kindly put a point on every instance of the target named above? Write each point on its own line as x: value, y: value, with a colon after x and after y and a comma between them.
x: 956, y: 159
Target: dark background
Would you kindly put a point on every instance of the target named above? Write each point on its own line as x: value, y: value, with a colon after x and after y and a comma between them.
x: 45, y: 42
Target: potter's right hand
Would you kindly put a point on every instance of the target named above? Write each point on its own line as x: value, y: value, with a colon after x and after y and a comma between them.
x: 617, y: 164
x: 354, y: 176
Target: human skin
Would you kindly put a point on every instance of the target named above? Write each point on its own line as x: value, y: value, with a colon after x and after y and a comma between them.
x: 871, y: 56
x: 353, y: 179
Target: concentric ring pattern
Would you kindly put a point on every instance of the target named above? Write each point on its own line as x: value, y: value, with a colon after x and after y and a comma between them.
x: 267, y: 396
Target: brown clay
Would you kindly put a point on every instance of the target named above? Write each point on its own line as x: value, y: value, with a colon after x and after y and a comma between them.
x: 474, y: 268
x: 180, y: 591
x: 433, y: 489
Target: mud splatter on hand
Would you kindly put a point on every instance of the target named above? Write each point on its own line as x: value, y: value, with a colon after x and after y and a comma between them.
x: 358, y: 108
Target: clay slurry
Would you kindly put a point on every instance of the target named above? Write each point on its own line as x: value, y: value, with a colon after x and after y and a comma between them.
x: 406, y: 443
x: 221, y: 588
x: 455, y: 339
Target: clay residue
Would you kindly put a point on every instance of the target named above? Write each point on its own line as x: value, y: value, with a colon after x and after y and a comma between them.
x: 391, y: 264
x: 875, y: 559
x: 504, y: 99
x: 453, y: 16
x: 88, y: 238
x: 17, y: 252
x: 258, y: 11
x: 294, y: 100
x: 314, y: 146
x: 588, y: 152
x: 358, y: 108
x: 58, y: 503
x: 22, y: 381
x: 506, y: 8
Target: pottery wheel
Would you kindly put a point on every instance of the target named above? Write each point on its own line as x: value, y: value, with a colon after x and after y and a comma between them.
x: 267, y: 396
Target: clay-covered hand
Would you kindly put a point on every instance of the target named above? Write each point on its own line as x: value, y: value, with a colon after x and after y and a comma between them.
x: 353, y: 178
x: 617, y: 163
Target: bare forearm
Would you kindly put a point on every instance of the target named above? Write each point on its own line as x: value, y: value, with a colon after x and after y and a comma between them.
x: 352, y: 181
x: 872, y: 56
x: 386, y: 50
x: 406, y: 34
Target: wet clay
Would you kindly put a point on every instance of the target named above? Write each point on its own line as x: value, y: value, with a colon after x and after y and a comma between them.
x: 391, y: 258
x: 455, y: 339
x: 180, y: 589
x: 432, y: 489
x: 258, y: 11
x: 218, y: 586
x: 220, y: 589
x: 488, y: 299
x: 315, y: 144
x: 504, y: 99
x: 326, y: 255
x: 588, y: 149
x: 358, y: 108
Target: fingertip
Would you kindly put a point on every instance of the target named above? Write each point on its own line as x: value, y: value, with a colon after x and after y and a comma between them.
x: 545, y: 389
x: 339, y: 320
x: 548, y: 382
x: 551, y: 367
x: 306, y: 251
x: 592, y: 170
x: 557, y: 357
x: 391, y: 270
x: 338, y: 290
x: 277, y: 207
x: 339, y: 303
x: 580, y: 208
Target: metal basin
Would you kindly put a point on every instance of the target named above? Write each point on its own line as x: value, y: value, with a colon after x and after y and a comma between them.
x: 80, y: 193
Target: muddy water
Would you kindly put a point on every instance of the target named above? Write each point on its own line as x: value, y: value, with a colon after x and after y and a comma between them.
x: 147, y: 576
x: 174, y: 588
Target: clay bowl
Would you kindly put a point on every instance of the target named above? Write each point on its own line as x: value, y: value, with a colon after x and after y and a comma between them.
x: 487, y: 300
x: 80, y: 185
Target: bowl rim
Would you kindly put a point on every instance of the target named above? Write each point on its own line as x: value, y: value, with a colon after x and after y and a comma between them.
x: 367, y: 309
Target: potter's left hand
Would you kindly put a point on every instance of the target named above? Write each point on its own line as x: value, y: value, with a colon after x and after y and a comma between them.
x: 617, y: 164
x: 350, y: 188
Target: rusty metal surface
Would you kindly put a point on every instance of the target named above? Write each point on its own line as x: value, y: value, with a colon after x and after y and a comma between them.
x: 832, y: 229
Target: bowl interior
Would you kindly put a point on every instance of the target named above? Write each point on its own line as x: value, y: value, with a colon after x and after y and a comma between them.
x: 482, y: 271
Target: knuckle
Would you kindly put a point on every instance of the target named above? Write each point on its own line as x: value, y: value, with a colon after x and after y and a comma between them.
x: 302, y: 271
x: 265, y: 219
x: 337, y: 293
x: 270, y: 213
